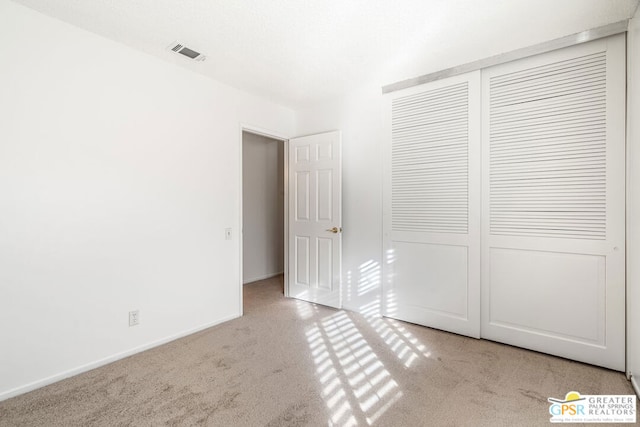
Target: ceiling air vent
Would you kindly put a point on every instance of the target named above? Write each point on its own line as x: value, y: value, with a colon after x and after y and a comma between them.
x: 189, y: 53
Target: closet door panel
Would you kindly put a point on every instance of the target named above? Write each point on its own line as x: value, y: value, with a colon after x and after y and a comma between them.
x: 432, y: 206
x: 553, y: 203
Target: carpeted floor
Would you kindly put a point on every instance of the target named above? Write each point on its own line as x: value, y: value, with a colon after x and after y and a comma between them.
x: 290, y: 363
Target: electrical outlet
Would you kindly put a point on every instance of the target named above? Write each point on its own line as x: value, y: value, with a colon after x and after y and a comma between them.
x: 227, y: 233
x: 134, y: 317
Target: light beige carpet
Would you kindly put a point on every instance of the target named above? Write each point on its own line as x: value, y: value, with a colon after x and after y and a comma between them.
x: 290, y: 363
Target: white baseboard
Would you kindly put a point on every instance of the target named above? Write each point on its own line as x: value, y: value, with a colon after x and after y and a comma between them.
x: 636, y: 386
x: 266, y: 276
x: 104, y: 361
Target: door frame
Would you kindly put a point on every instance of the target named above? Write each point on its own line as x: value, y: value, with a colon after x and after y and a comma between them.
x: 285, y: 140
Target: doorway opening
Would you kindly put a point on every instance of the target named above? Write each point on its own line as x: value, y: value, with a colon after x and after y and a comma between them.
x: 263, y: 208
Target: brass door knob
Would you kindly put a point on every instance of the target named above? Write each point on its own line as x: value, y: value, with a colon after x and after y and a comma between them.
x: 335, y: 230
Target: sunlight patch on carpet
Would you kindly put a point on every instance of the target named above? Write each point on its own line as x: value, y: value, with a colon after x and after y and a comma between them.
x: 355, y: 383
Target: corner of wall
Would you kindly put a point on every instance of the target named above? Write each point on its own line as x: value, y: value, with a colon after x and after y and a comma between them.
x: 633, y: 198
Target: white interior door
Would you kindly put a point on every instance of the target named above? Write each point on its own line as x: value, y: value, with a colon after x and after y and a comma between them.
x: 315, y: 218
x: 432, y: 206
x: 553, y: 236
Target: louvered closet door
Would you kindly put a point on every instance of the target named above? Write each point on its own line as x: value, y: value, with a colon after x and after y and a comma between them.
x: 553, y: 245
x: 432, y: 206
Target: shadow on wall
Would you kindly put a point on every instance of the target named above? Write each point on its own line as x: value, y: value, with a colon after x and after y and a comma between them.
x: 366, y: 285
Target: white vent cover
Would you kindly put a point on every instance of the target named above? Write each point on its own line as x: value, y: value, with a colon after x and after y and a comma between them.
x: 180, y: 48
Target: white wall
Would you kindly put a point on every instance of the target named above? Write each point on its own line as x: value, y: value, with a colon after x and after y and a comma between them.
x: 262, y: 207
x: 633, y: 202
x: 118, y: 175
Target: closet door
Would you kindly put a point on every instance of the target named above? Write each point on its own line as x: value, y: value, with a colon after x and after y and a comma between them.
x: 553, y: 237
x: 432, y: 206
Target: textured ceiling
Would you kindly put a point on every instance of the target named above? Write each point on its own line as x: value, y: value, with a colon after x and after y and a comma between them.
x: 299, y: 52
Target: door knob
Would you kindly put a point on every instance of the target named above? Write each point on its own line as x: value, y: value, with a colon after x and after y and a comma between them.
x: 335, y: 230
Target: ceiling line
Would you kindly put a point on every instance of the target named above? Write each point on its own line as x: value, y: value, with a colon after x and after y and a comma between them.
x: 570, y: 40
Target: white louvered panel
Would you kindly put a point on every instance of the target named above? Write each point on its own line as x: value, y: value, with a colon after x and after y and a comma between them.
x: 429, y: 161
x: 547, y: 142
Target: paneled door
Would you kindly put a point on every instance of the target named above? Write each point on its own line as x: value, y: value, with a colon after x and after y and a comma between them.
x: 553, y: 226
x: 432, y: 206
x: 315, y: 218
